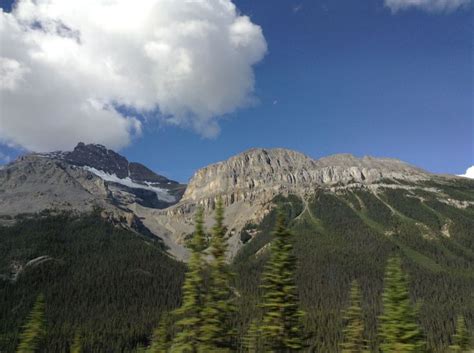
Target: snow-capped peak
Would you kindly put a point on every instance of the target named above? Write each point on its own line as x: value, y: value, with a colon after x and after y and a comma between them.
x: 162, y: 194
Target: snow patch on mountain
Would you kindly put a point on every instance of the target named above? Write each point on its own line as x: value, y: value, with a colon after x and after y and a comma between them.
x: 162, y: 194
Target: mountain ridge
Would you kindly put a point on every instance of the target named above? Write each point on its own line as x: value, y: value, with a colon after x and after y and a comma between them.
x: 93, y: 176
x: 348, y: 216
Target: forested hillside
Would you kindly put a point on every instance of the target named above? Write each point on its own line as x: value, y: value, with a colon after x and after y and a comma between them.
x: 349, y: 235
x: 110, y: 286
x: 103, y: 283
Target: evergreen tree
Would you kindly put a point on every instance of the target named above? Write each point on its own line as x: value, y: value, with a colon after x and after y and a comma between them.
x: 399, y: 331
x: 33, y: 329
x: 76, y: 346
x: 281, y: 324
x: 140, y: 349
x: 353, y: 340
x: 218, y: 333
x: 189, y: 325
x: 461, y: 337
x: 250, y: 341
x: 161, y: 340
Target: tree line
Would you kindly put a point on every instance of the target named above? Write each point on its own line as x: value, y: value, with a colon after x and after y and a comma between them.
x: 206, y: 320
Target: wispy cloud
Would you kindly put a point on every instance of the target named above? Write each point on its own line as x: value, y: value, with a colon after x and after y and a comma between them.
x: 427, y: 5
x: 297, y: 8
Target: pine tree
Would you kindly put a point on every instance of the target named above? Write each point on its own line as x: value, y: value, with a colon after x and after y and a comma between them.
x: 250, y: 341
x: 399, y: 331
x: 140, y: 349
x: 76, y: 346
x: 161, y: 340
x: 461, y: 337
x: 281, y: 324
x: 353, y: 333
x: 219, y: 310
x: 188, y: 339
x: 34, y: 329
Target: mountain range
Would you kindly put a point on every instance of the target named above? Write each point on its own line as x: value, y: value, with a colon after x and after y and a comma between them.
x: 348, y: 214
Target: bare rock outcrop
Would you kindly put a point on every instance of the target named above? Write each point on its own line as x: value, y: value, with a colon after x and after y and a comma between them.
x: 258, y: 175
x: 249, y: 181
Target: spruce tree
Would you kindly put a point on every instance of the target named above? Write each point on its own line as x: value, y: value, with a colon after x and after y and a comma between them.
x: 189, y: 325
x: 281, y: 324
x: 161, y: 340
x: 460, y: 337
x: 250, y: 341
x: 353, y: 333
x: 140, y: 349
x: 399, y: 331
x: 219, y: 310
x: 34, y: 329
x: 76, y: 346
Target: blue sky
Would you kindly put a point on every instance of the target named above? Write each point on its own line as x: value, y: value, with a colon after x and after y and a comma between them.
x: 340, y: 77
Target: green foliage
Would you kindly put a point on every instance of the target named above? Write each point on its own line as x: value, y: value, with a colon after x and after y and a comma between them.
x: 281, y: 324
x: 461, y: 339
x: 411, y: 206
x: 335, y: 243
x: 105, y: 282
x: 189, y: 336
x: 34, y: 328
x: 353, y: 333
x: 219, y: 310
x: 251, y: 339
x: 112, y: 285
x: 161, y: 340
x: 376, y: 209
x: 76, y: 346
x: 399, y: 331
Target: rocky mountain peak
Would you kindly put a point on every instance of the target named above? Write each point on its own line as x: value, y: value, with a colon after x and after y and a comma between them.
x: 98, y: 157
x: 90, y: 175
x: 278, y: 169
x: 369, y: 162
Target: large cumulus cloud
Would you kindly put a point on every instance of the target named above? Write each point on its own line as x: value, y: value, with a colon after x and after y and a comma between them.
x: 91, y: 70
x: 427, y: 5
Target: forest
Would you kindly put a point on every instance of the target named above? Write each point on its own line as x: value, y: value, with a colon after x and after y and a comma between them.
x: 350, y: 259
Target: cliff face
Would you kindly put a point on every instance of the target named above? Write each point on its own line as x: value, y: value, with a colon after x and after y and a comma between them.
x: 93, y: 176
x: 249, y: 181
x: 271, y: 171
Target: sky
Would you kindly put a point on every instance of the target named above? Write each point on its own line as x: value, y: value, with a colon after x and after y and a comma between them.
x: 177, y: 85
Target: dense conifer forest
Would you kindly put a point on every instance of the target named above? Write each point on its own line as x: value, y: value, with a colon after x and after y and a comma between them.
x: 107, y: 285
x: 350, y: 236
x: 353, y: 261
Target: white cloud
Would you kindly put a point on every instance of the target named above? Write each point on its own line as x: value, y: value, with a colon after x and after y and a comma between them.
x: 469, y: 173
x: 427, y: 5
x: 66, y: 66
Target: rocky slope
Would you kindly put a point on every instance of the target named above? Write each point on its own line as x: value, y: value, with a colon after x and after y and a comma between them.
x: 249, y: 181
x: 92, y: 176
x: 276, y: 170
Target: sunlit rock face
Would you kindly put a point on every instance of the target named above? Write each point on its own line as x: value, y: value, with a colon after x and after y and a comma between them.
x: 270, y: 171
x: 93, y: 176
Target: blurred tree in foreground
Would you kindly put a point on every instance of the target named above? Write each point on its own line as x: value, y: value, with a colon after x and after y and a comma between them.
x: 34, y: 328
